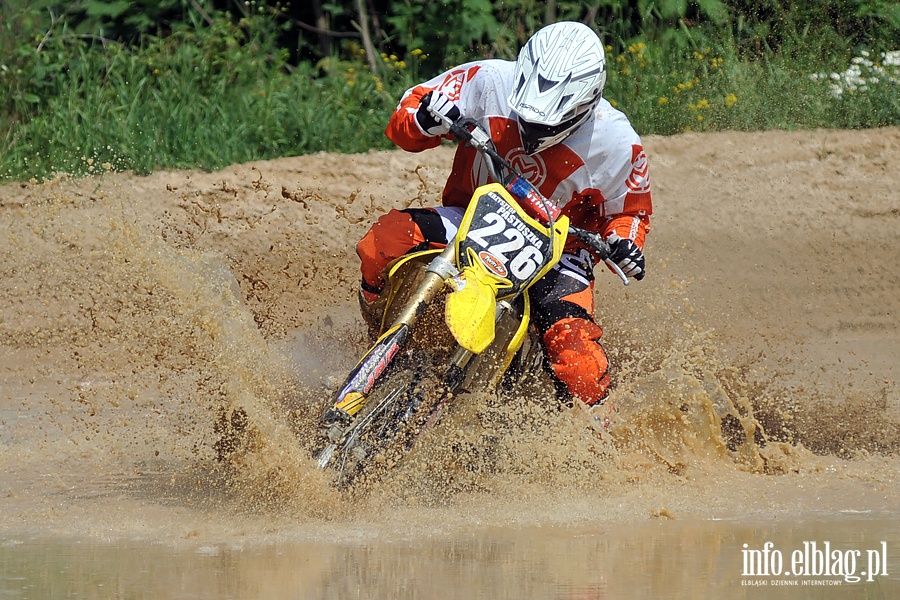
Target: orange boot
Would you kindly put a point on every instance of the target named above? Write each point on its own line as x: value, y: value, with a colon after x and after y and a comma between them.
x: 577, y: 358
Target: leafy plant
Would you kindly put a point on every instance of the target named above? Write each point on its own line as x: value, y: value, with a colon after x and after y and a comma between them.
x: 449, y: 29
x: 217, y: 87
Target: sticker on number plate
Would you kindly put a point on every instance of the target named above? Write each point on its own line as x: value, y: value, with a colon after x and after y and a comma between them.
x: 493, y: 263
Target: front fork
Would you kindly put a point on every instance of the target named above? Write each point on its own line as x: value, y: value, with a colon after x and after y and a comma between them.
x: 456, y: 373
x: 441, y: 268
x: 352, y: 395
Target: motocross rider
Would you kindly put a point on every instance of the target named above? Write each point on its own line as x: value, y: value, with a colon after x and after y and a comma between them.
x: 546, y: 116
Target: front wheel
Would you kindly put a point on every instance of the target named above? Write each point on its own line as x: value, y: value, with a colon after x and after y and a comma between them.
x: 381, y: 433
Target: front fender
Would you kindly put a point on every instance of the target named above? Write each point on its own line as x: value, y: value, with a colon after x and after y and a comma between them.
x: 471, y: 309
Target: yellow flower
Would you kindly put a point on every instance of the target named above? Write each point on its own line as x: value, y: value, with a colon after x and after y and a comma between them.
x: 417, y: 52
x: 607, y: 48
x: 730, y: 100
x: 699, y: 117
x: 663, y: 101
x: 703, y: 104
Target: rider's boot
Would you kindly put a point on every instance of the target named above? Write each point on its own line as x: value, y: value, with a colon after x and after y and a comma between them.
x: 372, y: 311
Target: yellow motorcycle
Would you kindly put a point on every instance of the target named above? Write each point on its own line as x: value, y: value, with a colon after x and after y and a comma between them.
x: 509, y: 238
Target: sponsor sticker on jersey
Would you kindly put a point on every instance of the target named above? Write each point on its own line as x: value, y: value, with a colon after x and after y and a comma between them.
x: 452, y: 84
x: 531, y: 166
x: 639, y: 178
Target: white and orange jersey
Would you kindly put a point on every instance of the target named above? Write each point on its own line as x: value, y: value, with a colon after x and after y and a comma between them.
x: 598, y: 175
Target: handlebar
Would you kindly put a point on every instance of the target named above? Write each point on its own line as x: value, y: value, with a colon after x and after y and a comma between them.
x: 468, y: 130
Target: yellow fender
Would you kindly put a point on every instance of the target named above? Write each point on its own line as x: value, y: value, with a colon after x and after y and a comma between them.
x: 471, y: 308
x: 521, y: 333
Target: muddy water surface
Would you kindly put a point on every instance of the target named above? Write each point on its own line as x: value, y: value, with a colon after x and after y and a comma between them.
x: 695, y: 559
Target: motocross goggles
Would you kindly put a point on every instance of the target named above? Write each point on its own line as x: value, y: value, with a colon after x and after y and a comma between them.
x: 537, y: 136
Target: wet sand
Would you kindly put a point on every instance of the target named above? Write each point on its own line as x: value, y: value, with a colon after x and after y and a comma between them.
x: 136, y: 311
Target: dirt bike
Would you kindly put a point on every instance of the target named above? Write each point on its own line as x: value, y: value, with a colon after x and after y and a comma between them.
x: 509, y: 238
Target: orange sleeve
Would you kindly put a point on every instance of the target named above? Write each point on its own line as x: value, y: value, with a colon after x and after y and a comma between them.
x: 586, y: 211
x: 402, y: 128
x: 632, y: 227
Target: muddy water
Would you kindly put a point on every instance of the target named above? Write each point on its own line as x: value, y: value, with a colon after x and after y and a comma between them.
x: 661, y: 559
x: 138, y: 315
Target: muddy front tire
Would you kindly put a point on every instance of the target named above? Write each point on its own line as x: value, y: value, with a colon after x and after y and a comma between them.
x: 379, y: 435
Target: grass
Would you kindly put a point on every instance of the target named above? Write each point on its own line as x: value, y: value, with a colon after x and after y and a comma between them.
x: 183, y: 102
x: 710, y: 90
x: 212, y: 96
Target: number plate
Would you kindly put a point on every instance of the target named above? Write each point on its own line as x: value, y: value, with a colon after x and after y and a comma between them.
x: 507, y: 242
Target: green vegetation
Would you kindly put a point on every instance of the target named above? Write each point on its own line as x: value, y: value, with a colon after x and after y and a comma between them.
x: 90, y: 86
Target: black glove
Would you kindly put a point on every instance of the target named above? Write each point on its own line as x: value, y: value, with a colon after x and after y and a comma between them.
x: 627, y: 255
x: 432, y: 108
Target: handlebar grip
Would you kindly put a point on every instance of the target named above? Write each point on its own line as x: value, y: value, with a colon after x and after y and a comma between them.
x: 596, y: 242
x: 462, y: 128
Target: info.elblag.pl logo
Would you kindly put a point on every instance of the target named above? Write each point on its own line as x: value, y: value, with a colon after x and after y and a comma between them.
x: 814, y: 564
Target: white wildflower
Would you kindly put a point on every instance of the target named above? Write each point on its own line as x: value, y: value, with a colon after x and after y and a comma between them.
x: 863, y: 72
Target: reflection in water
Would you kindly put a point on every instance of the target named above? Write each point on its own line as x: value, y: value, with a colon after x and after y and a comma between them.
x: 662, y: 559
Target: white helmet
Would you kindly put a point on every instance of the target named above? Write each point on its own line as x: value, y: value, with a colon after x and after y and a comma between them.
x: 559, y: 77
